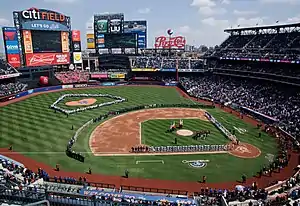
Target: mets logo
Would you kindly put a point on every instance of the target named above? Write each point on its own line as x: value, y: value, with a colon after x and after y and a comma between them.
x: 196, y: 163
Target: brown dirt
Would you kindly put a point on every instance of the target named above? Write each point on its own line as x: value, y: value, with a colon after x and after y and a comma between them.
x: 245, y: 150
x: 119, y: 134
x: 82, y: 102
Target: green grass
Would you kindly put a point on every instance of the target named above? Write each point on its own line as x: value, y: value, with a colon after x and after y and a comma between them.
x: 154, y: 133
x: 30, y: 126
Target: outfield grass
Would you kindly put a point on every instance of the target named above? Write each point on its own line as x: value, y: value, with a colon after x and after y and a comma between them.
x: 154, y: 133
x: 36, y: 131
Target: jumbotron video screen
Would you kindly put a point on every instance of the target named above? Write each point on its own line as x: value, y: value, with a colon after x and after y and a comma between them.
x: 45, y: 41
x: 120, y: 40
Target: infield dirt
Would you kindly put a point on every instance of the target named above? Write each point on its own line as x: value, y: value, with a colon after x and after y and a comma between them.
x: 119, y: 134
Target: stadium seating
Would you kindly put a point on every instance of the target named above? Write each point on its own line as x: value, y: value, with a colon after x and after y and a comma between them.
x: 166, y: 63
x: 273, y: 46
x: 12, y: 88
x: 70, y: 77
x: 6, y: 69
x: 269, y: 99
x: 8, y: 87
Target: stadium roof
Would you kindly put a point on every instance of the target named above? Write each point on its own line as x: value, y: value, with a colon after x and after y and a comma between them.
x: 263, y: 27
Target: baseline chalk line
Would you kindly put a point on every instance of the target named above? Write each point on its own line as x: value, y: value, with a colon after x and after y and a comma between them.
x: 149, y: 161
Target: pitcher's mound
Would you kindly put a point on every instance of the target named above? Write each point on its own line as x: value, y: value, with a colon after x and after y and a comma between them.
x: 184, y: 132
x: 82, y: 102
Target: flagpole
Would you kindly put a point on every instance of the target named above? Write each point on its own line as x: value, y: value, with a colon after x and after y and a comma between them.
x: 177, y: 76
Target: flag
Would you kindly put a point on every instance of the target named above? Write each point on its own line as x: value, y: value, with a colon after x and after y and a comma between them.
x: 172, y: 125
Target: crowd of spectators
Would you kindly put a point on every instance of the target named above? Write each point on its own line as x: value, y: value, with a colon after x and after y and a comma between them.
x: 71, y: 77
x: 269, y: 99
x: 6, y: 69
x: 7, y: 89
x: 281, y: 70
x: 166, y: 63
x: 269, y: 46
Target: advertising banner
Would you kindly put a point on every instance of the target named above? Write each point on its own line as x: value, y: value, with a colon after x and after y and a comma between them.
x: 77, y: 57
x: 100, y: 41
x: 42, y: 59
x: 171, y: 84
x: 190, y: 70
x: 76, y: 35
x: 102, y: 26
x: 99, y: 76
x: 144, y: 70
x: 77, y: 46
x: 141, y: 78
x: 117, y: 76
x: 107, y: 24
x: 65, y: 42
x: 90, y: 38
x: 12, y: 47
x: 108, y: 84
x: 27, y: 42
x: 10, y: 34
x: 44, y: 25
x: 14, y: 60
x: 168, y: 70
x: 6, y: 76
x: 163, y: 42
x: 80, y: 85
x: 11, y: 44
x: 42, y: 19
x: 139, y: 28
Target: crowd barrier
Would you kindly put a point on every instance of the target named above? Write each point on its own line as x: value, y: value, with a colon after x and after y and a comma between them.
x: 23, y: 197
x: 147, y: 197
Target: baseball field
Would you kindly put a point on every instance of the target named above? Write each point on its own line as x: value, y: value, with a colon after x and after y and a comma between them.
x: 38, y: 132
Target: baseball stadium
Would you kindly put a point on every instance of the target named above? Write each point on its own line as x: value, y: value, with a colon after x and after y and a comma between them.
x: 147, y: 126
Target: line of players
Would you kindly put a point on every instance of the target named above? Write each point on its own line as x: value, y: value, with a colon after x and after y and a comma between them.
x: 189, y: 148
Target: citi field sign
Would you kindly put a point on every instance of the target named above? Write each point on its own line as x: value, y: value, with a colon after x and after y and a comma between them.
x: 36, y: 14
x: 42, y: 19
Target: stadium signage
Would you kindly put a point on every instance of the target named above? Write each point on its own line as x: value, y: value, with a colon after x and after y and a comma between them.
x: 144, y: 69
x: 35, y: 14
x: 6, y: 76
x: 164, y: 42
x: 43, y: 59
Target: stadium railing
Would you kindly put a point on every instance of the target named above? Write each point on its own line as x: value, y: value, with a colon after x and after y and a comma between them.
x: 154, y: 190
x: 91, y: 184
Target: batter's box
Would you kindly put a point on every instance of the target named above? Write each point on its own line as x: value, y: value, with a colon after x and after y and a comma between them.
x: 149, y: 161
x: 116, y: 100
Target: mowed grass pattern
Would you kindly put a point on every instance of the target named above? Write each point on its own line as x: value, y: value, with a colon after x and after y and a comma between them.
x: 36, y: 131
x: 31, y: 126
x: 154, y: 133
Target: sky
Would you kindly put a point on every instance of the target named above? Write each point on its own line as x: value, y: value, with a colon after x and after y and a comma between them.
x: 202, y: 22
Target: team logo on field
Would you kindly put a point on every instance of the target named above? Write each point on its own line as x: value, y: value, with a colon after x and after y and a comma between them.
x: 196, y: 163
